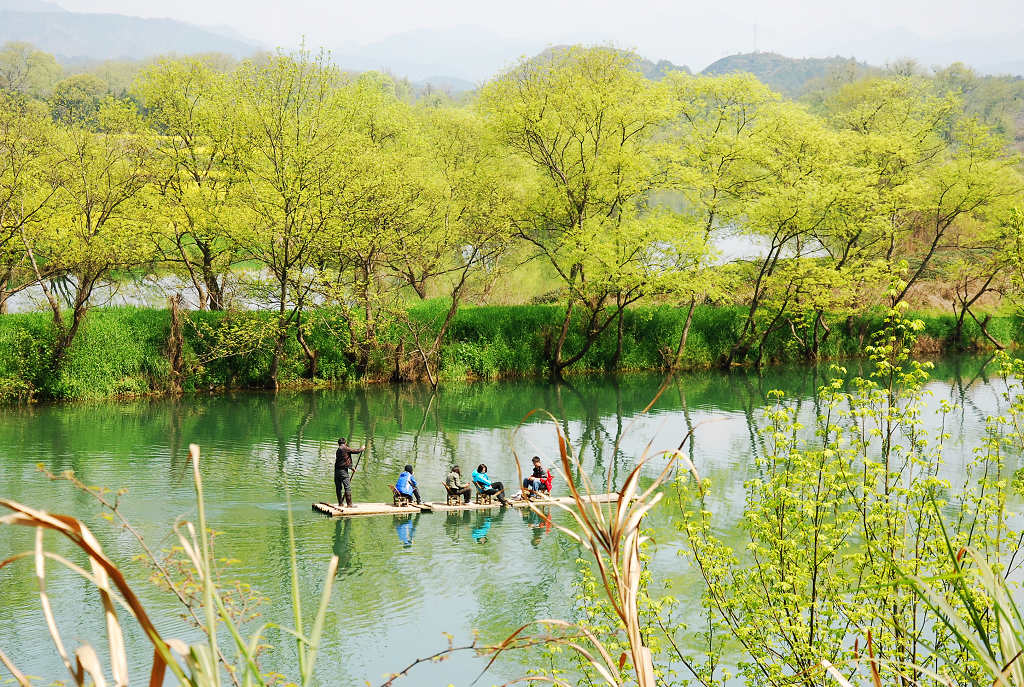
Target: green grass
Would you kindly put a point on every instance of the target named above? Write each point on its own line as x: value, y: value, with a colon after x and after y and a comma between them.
x: 123, y: 351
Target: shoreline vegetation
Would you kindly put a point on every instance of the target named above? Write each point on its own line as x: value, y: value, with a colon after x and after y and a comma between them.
x: 311, y: 226
x: 131, y: 352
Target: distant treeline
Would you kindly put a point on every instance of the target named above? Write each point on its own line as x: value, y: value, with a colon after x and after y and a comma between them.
x: 572, y: 179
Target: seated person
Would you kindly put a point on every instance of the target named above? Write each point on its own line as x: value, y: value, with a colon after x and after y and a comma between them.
x: 537, y: 480
x: 484, y: 484
x: 453, y: 483
x: 406, y: 484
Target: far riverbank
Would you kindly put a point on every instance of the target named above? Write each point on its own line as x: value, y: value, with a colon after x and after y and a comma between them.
x: 123, y: 352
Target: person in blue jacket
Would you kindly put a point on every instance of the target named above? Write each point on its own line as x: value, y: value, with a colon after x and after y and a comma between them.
x: 483, y: 482
x: 407, y: 484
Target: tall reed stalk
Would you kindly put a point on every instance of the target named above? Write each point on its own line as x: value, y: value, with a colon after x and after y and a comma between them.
x: 612, y: 534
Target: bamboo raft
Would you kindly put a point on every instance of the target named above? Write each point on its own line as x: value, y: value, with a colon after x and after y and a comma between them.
x: 368, y: 509
x: 390, y: 509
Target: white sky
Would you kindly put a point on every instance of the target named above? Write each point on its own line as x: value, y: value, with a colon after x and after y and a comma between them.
x: 685, y: 32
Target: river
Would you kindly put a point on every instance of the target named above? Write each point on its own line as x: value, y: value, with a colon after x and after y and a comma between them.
x: 403, y: 581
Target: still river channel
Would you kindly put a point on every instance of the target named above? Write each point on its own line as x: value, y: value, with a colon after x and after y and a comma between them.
x: 403, y: 581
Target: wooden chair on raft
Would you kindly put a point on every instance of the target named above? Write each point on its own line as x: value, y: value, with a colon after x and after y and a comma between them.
x: 482, y: 498
x: 453, y: 497
x: 398, y: 498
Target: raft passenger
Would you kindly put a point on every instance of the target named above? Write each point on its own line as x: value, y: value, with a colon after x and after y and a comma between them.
x: 406, y: 484
x: 537, y: 480
x: 453, y: 483
x: 484, y: 484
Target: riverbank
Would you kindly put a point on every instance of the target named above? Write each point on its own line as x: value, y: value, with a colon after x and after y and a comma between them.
x: 128, y: 351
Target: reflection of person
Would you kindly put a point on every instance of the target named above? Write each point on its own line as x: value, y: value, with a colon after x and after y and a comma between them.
x: 453, y: 483
x: 406, y: 484
x: 486, y: 486
x: 539, y: 523
x: 481, y: 530
x: 343, y: 542
x: 343, y: 471
x: 453, y: 523
x: 406, y: 530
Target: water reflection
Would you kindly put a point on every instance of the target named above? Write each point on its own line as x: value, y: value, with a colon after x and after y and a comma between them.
x: 481, y: 527
x: 538, y: 522
x: 257, y: 446
x: 405, y: 528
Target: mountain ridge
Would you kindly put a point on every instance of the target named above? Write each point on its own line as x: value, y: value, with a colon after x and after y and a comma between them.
x: 789, y: 76
x: 102, y: 36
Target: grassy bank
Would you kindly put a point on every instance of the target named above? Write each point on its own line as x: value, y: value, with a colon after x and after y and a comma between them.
x: 124, y: 351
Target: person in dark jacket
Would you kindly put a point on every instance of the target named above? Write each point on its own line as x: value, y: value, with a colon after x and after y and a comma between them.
x: 536, y: 481
x: 406, y: 484
x: 343, y: 472
x: 455, y: 486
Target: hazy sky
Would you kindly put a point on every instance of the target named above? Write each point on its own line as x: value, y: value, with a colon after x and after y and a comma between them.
x: 691, y: 33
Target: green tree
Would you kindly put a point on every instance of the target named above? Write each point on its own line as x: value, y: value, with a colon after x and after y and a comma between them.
x: 27, y: 184
x: 709, y: 149
x: 466, y: 230
x: 584, y: 120
x: 286, y: 148
x: 197, y: 172
x: 96, y: 223
x: 77, y: 99
x: 27, y: 71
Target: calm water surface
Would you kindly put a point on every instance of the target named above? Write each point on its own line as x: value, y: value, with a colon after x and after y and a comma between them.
x: 403, y: 581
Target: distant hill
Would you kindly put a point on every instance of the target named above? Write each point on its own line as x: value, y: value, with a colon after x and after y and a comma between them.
x: 657, y: 70
x: 75, y: 35
x: 652, y: 70
x: 787, y: 75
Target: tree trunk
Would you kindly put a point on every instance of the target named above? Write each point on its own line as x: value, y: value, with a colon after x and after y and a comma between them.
x: 312, y: 357
x: 214, y: 289
x: 282, y: 335
x: 618, y: 339
x: 556, y: 363
x: 175, y: 344
x: 677, y: 359
x: 742, y: 346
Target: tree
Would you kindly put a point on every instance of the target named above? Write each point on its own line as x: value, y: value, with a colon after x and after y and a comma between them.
x: 709, y: 149
x: 964, y: 185
x: 197, y: 172
x: 584, y: 120
x: 799, y: 193
x: 382, y: 181
x: 95, y: 224
x: 27, y: 184
x: 77, y: 99
x: 286, y: 148
x: 984, y: 258
x: 27, y: 71
x: 466, y: 228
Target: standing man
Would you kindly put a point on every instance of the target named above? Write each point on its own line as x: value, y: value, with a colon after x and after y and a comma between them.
x: 343, y: 471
